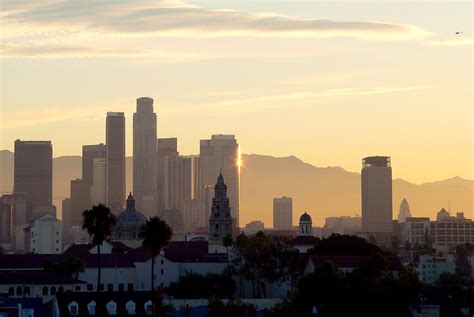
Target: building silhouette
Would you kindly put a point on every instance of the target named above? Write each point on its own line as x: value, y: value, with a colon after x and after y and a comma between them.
x: 144, y: 152
x: 115, y: 139
x: 129, y: 224
x: 221, y: 223
x: 218, y: 155
x: 377, y: 195
x: 80, y: 201
x: 404, y: 212
x: 99, y: 181
x: 89, y: 154
x: 33, y: 176
x: 166, y: 148
x: 283, y: 213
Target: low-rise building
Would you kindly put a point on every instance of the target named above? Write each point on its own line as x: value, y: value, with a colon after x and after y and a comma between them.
x: 44, y: 235
x: 431, y: 267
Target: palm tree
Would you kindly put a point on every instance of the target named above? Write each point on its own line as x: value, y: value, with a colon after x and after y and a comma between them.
x: 156, y: 235
x: 98, y: 222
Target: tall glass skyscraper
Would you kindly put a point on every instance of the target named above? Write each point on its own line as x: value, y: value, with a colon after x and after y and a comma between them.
x: 115, y: 138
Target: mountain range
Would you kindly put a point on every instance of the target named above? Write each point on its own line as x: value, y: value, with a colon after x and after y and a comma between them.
x: 321, y: 191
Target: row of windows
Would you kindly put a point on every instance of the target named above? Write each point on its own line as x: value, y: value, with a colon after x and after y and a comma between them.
x: 111, y: 307
x: 26, y: 291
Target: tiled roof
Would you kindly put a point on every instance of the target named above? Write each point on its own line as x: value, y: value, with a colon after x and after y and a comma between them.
x: 35, y: 277
x: 192, y: 251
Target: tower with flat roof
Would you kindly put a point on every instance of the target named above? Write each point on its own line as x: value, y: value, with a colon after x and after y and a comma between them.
x: 377, y: 195
x: 115, y: 139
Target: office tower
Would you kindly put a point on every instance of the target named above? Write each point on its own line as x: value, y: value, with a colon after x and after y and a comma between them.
x: 19, y: 211
x: 377, y: 195
x: 283, y: 213
x: 167, y: 148
x: 404, y: 212
x: 6, y: 202
x: 99, y: 180
x: 80, y: 201
x: 221, y: 223
x: 89, y: 153
x: 44, y: 235
x: 33, y: 175
x: 115, y: 139
x: 178, y: 181
x: 66, y: 219
x: 196, y: 177
x: 174, y: 218
x: 220, y: 154
x: 144, y: 151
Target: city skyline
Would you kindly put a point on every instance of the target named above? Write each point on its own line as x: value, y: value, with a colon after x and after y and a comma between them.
x: 341, y: 79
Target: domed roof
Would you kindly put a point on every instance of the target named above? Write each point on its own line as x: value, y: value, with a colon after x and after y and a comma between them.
x: 305, y: 217
x: 130, y: 216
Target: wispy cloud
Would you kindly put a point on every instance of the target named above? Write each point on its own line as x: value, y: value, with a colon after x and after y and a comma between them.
x: 25, y: 23
x: 48, y: 52
x: 452, y: 42
x: 327, y: 93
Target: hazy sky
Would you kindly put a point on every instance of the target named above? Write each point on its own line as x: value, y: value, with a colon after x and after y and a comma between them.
x: 327, y: 81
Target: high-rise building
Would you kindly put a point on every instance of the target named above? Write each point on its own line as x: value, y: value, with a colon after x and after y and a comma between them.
x: 33, y: 175
x: 404, y: 212
x: 221, y: 223
x: 283, y: 213
x: 19, y: 212
x: 115, y: 139
x: 144, y: 151
x: 178, y: 181
x: 377, y: 195
x: 66, y: 220
x: 167, y: 148
x: 80, y: 201
x: 99, y: 180
x: 89, y: 154
x: 218, y: 155
x: 6, y: 219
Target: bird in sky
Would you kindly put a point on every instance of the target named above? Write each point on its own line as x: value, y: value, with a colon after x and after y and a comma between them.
x: 457, y: 33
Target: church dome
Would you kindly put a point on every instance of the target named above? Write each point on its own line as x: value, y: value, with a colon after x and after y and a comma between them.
x: 305, y: 218
x: 129, y: 222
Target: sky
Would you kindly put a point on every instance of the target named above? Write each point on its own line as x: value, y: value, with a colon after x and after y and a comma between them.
x: 327, y: 81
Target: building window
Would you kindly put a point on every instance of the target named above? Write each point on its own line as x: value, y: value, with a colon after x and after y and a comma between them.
x: 90, y: 287
x: 148, y: 307
x: 121, y: 287
x: 53, y: 290
x: 162, y: 271
x: 73, y: 308
x: 162, y: 262
x: 130, y: 307
x: 130, y: 287
x: 91, y: 308
x: 11, y: 291
x: 110, y: 287
x: 45, y: 291
x: 101, y: 286
x: 19, y: 291
x: 61, y: 289
x: 77, y: 288
x: 112, y: 308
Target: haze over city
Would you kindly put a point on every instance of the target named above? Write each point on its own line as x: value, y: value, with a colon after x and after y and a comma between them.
x: 236, y: 158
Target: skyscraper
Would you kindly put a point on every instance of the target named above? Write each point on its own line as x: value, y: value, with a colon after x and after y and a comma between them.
x: 377, y: 195
x: 218, y: 155
x: 115, y: 136
x: 404, y: 211
x: 283, y: 213
x: 99, y: 180
x: 33, y: 175
x: 144, y: 151
x: 89, y: 153
x: 178, y: 181
x: 80, y: 201
x: 167, y: 148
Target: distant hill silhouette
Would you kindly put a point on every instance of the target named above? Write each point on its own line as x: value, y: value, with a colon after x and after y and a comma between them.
x: 323, y: 192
